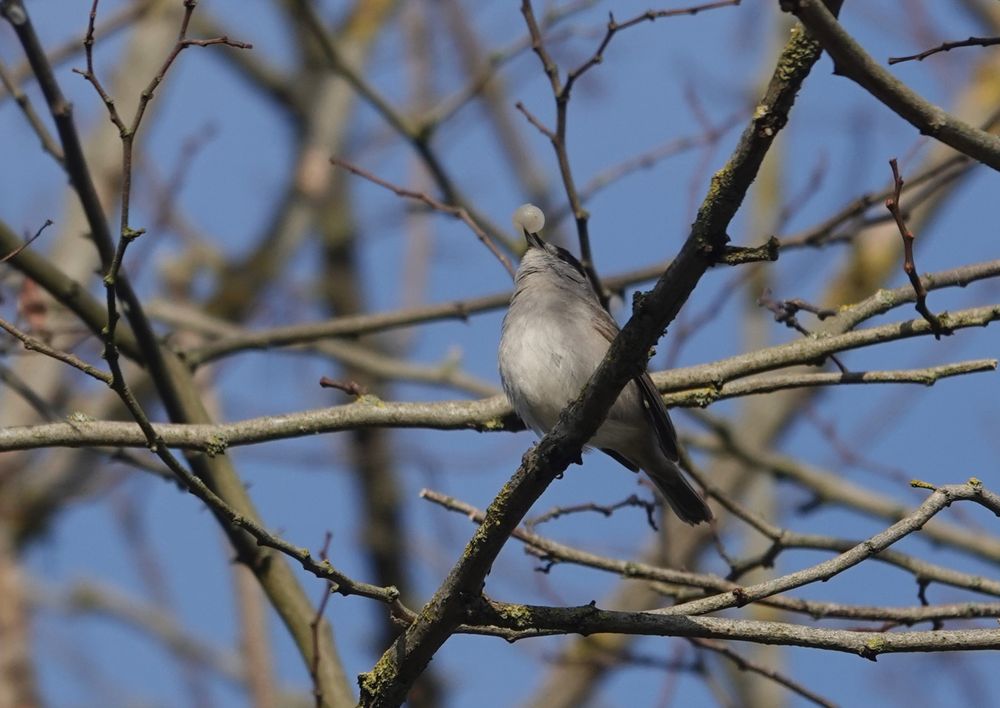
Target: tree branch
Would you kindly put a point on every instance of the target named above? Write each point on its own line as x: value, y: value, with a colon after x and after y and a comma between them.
x: 852, y: 61
x: 697, y: 386
x: 524, y: 621
x: 947, y: 47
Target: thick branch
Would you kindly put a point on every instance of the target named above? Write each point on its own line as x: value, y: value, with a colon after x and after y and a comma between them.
x: 526, y: 621
x: 852, y: 61
x: 697, y: 386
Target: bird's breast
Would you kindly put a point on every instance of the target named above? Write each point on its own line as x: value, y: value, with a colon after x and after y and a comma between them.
x: 546, y: 358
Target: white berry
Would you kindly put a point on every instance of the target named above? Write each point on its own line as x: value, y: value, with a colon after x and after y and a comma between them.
x: 529, y: 218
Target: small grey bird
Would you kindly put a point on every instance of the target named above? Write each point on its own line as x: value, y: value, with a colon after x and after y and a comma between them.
x: 554, y: 336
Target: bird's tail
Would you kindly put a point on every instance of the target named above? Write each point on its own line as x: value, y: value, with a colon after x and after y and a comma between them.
x: 680, y: 495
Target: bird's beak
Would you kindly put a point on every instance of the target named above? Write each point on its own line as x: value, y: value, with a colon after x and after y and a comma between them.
x: 534, y: 240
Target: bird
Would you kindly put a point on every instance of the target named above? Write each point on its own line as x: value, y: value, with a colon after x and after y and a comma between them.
x: 554, y: 335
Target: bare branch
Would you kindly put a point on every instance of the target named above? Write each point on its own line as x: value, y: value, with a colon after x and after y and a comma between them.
x: 947, y: 47
x: 671, y: 580
x: 743, y: 664
x: 603, y: 509
x: 34, y: 344
x: 515, y: 622
x: 831, y: 488
x: 853, y: 62
x: 458, y: 212
x: 34, y: 120
x: 28, y: 242
x: 355, y: 325
x: 909, y: 265
x: 705, y: 384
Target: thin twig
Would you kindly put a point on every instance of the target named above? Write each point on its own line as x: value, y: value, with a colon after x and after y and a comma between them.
x: 909, y: 266
x: 605, y: 510
x: 785, y: 311
x: 49, y: 144
x: 842, y: 225
x: 317, y: 621
x: 649, y: 159
x: 62, y: 53
x: 947, y: 47
x: 34, y: 344
x: 458, y: 212
x: 482, y: 75
x: 614, y: 27
x: 28, y: 242
x: 418, y: 136
x: 828, y: 486
x: 744, y: 664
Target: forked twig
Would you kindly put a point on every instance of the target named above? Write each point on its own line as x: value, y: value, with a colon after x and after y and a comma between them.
x: 909, y: 266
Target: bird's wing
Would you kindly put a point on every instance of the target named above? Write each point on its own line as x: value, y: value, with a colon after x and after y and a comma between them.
x: 620, y: 459
x: 656, y: 412
x: 652, y: 404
